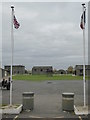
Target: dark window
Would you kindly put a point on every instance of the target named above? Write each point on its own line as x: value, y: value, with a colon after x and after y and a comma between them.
x: 35, y: 70
x: 81, y: 72
x: 61, y: 72
x: 48, y: 70
x: 41, y: 70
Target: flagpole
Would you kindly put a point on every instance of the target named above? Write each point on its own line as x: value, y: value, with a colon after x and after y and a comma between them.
x: 84, y: 85
x: 12, y: 45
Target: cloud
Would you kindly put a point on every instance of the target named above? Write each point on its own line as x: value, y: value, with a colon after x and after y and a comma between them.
x: 49, y: 34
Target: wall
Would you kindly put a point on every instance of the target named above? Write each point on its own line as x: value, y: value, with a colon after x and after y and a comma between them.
x: 42, y: 70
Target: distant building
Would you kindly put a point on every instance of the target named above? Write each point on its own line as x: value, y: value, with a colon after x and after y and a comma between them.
x: 3, y: 73
x: 79, y: 70
x: 0, y: 73
x: 16, y: 69
x: 70, y: 70
x: 40, y: 70
x: 61, y: 71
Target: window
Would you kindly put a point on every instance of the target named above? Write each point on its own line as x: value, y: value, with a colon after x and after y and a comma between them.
x: 35, y: 70
x: 41, y: 70
x: 61, y: 72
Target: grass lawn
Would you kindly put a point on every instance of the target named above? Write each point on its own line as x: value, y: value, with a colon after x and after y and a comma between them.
x: 46, y: 77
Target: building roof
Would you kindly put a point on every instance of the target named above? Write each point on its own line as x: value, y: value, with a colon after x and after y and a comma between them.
x: 14, y: 65
x: 42, y: 66
x: 61, y: 70
x: 81, y: 67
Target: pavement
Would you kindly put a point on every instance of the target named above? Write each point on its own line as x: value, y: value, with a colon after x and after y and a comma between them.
x: 47, y: 98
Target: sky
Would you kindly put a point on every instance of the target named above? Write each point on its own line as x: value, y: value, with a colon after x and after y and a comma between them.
x: 49, y: 34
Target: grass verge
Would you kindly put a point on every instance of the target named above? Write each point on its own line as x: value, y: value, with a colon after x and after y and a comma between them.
x: 47, y: 77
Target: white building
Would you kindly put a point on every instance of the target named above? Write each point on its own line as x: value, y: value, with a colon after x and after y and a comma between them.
x: 3, y: 73
x: 0, y: 74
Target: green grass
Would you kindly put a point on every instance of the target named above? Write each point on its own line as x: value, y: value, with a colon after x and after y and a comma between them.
x: 46, y: 77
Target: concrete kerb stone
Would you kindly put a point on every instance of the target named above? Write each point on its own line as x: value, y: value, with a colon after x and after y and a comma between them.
x: 81, y: 110
x: 11, y: 110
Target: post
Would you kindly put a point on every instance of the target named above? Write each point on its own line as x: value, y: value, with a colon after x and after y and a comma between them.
x: 84, y: 56
x: 12, y: 46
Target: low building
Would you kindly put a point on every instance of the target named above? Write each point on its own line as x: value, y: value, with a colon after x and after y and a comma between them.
x: 3, y: 73
x: 70, y: 70
x: 61, y: 71
x: 16, y: 69
x: 40, y: 70
x: 79, y: 70
x: 0, y: 73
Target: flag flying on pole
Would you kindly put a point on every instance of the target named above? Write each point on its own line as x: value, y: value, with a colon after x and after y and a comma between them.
x: 83, y: 20
x: 16, y: 24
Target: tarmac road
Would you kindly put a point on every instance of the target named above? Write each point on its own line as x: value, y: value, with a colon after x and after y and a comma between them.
x: 47, y: 99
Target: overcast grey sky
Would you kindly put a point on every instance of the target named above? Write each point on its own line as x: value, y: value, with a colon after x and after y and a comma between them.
x: 49, y: 34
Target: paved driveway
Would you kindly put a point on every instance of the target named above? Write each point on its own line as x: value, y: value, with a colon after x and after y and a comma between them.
x: 48, y: 96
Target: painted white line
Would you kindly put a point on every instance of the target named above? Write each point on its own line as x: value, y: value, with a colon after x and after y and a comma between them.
x: 35, y: 117
x: 15, y: 117
x: 80, y: 117
x: 43, y: 117
x: 59, y: 117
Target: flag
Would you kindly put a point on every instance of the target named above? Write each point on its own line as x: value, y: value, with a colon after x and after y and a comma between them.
x: 83, y: 17
x: 16, y: 24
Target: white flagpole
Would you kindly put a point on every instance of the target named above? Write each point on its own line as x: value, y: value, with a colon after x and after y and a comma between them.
x: 12, y: 45
x: 84, y: 85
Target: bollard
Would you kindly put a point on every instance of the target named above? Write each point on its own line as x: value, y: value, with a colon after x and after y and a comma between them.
x: 68, y: 102
x: 28, y: 101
